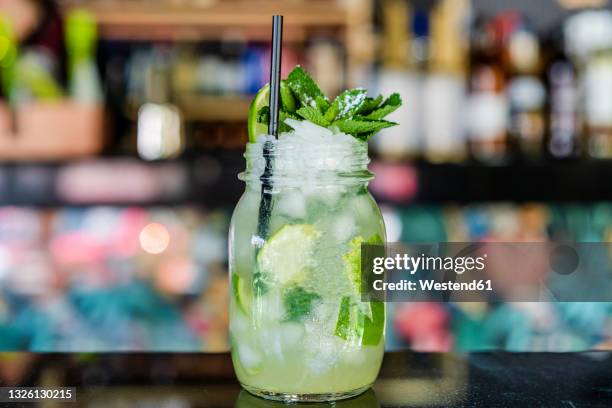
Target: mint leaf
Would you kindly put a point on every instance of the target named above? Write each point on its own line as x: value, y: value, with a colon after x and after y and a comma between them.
x: 288, y: 101
x: 322, y: 104
x: 263, y: 115
x: 313, y: 115
x: 389, y: 105
x: 298, y: 303
x: 282, y: 115
x: 331, y: 113
x: 304, y: 87
x: 282, y: 126
x: 370, y: 104
x: 348, y: 103
x: 362, y: 128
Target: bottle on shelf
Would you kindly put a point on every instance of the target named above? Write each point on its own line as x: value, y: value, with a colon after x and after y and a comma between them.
x: 160, y: 127
x: 35, y: 53
x: 445, y: 83
x: 325, y: 62
x: 487, y: 103
x: 185, y: 78
x: 232, y: 77
x: 588, y: 36
x: 526, y: 91
x: 398, y: 74
x: 564, y: 136
x: 36, y: 77
x: 81, y: 38
x: 8, y: 57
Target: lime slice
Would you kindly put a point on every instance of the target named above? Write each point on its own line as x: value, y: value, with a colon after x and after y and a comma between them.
x: 373, y: 328
x: 352, y: 260
x: 242, y: 293
x: 364, y: 320
x: 286, y: 256
x: 343, y: 324
x: 368, y: 330
x: 352, y: 263
x: 255, y: 128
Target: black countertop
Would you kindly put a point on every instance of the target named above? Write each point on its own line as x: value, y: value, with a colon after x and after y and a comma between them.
x: 407, y: 379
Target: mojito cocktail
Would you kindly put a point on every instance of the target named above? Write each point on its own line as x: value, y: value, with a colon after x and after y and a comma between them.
x: 298, y: 326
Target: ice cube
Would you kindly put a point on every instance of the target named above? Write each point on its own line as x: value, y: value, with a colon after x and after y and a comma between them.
x: 291, y: 335
x: 292, y: 204
x: 331, y: 195
x: 322, y: 349
x: 249, y: 357
x: 306, y: 129
x: 353, y: 355
x: 269, y: 307
x: 344, y: 227
x: 316, y: 195
x: 239, y: 323
x: 270, y: 340
x: 319, y: 341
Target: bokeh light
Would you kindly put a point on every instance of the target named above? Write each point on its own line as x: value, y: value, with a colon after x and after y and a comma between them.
x: 154, y: 238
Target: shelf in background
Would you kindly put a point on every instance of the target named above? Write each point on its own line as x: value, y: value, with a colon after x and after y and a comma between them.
x: 582, y: 181
x: 208, y: 108
x: 210, y: 180
x: 210, y: 19
x: 217, y: 109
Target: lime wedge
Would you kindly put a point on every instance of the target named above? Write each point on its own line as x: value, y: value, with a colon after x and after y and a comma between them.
x: 352, y: 260
x: 361, y: 320
x: 352, y: 263
x: 373, y: 328
x: 343, y: 324
x: 242, y: 293
x: 255, y: 128
x: 286, y: 257
x: 353, y: 323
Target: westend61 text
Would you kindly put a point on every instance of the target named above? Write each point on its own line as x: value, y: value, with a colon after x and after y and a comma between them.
x: 432, y: 285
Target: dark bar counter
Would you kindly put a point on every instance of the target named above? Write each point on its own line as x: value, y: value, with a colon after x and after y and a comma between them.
x: 407, y: 379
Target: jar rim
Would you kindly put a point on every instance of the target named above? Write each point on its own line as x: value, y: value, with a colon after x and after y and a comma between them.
x: 338, y: 162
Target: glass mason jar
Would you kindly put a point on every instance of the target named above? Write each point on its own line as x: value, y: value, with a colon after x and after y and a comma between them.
x: 298, y: 328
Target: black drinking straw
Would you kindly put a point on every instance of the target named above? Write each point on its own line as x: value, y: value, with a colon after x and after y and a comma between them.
x: 265, y: 205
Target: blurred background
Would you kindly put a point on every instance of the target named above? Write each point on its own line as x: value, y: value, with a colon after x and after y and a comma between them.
x: 123, y: 123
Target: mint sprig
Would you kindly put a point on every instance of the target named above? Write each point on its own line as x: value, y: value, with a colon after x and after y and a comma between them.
x: 348, y: 103
x: 352, y: 112
x: 370, y: 104
x: 362, y: 128
x: 313, y: 115
x: 304, y: 87
x: 298, y: 303
x: 389, y: 105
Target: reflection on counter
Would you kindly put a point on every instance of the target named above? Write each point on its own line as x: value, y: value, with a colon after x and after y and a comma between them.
x: 407, y: 379
x: 365, y: 400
